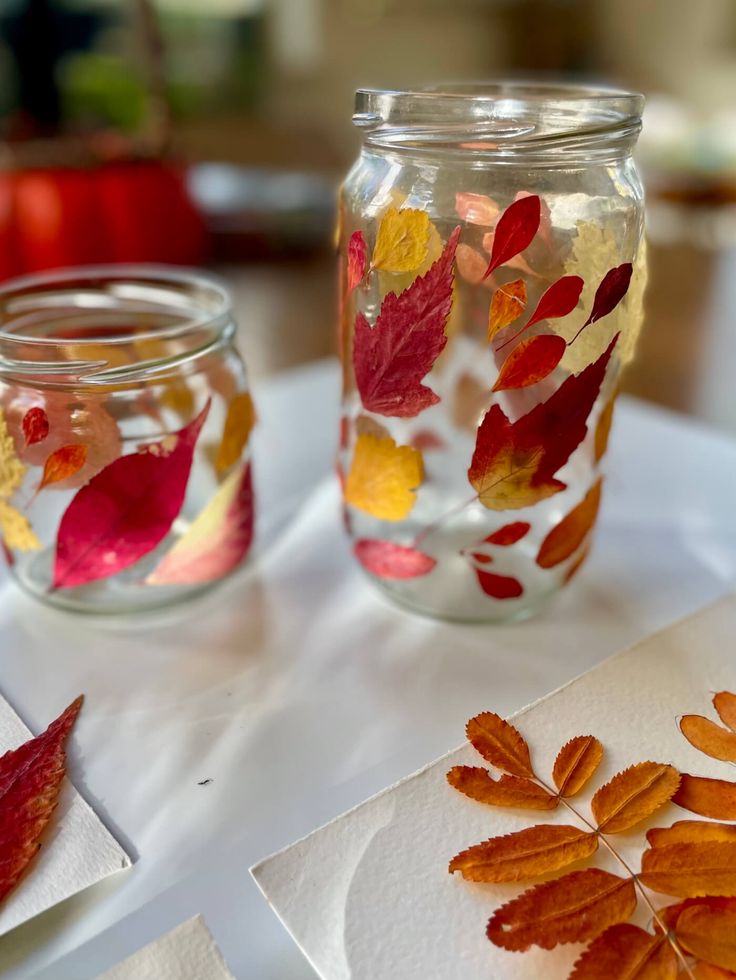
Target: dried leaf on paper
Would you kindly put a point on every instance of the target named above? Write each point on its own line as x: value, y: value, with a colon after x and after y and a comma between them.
x: 35, y: 426
x: 669, y: 914
x: 525, y: 854
x: 498, y: 586
x: 508, y: 303
x: 566, y: 537
x: 63, y: 463
x: 709, y: 934
x: 500, y: 744
x: 575, y: 908
x: 514, y: 231
x: 633, y: 795
x: 691, y: 870
x: 513, y: 791
x: 530, y: 362
x: 603, y: 428
x: 691, y: 832
x: 16, y: 530
x: 401, y: 242
x: 239, y: 422
x: 576, y: 763
x: 708, y: 797
x: 383, y: 477
x: 357, y: 259
x: 709, y: 738
x: 725, y: 704
x: 476, y: 209
x: 626, y: 952
x: 706, y: 971
x: 393, y: 561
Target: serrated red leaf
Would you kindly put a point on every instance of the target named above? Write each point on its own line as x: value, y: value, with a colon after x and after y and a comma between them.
x: 515, y: 230
x: 530, y: 362
x: 499, y: 586
x: 708, y: 797
x: 391, y: 358
x: 30, y: 779
x: 389, y: 560
x: 513, y: 791
x: 35, y: 426
x: 613, y: 288
x: 62, y: 464
x: 124, y: 511
x: 357, y: 259
x: 627, y: 952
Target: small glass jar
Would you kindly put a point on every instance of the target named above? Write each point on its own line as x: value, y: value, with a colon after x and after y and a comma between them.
x: 492, y: 277
x: 125, y: 415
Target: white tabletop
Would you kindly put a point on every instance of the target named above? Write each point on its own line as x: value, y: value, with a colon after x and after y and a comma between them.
x: 299, y: 691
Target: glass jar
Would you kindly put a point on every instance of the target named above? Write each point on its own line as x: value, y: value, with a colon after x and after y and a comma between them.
x: 492, y: 276
x: 125, y: 477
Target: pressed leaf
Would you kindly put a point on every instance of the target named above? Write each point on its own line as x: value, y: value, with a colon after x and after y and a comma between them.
x: 425, y: 440
x: 515, y: 230
x: 471, y: 265
x: 603, y: 429
x: 62, y: 464
x: 12, y: 470
x: 611, y: 291
x: 394, y: 561
x: 558, y: 300
x: 566, y: 537
x: 575, y: 566
x: 633, y: 795
x: 383, y: 477
x: 671, y: 913
x: 476, y: 209
x: 691, y: 870
x: 509, y: 534
x: 691, y: 832
x: 217, y: 541
x: 530, y: 361
x: 391, y: 358
x: 500, y: 744
x: 525, y: 854
x: 357, y: 259
x: 402, y: 240
x: 469, y: 401
x: 626, y: 952
x: 30, y: 779
x: 124, y: 511
x: 239, y: 422
x: 571, y: 909
x: 709, y: 934
x: 725, y: 704
x: 709, y: 738
x: 498, y: 586
x: 35, y: 426
x: 706, y: 971
x: 576, y: 762
x: 514, y: 791
x: 16, y: 530
x: 708, y: 797
x: 179, y: 397
x: 509, y: 302
x: 514, y: 463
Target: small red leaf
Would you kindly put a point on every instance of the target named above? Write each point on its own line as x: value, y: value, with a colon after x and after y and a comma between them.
x: 611, y: 291
x: 63, y: 463
x: 357, y: 259
x: 389, y: 560
x: 35, y: 426
x: 509, y: 534
x: 530, y: 362
x: 499, y: 586
x: 427, y: 441
x: 515, y: 230
x: 560, y: 299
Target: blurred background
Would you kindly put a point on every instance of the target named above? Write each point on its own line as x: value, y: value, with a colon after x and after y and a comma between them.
x: 214, y: 133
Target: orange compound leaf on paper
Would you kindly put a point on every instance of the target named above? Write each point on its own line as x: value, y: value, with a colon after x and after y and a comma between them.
x: 575, y: 908
x: 500, y: 744
x: 691, y: 832
x: 709, y: 738
x: 633, y: 795
x: 566, y: 537
x: 530, y: 362
x: 708, y: 797
x: 402, y: 241
x: 709, y: 934
x: 62, y: 464
x: 386, y: 559
x: 627, y: 952
x: 511, y: 791
x: 706, y: 971
x: 35, y: 426
x: 357, y: 259
x: 669, y: 914
x: 576, y: 763
x: 514, y: 231
x: 383, y: 477
x: 725, y: 704
x: 508, y: 303
x: 690, y: 870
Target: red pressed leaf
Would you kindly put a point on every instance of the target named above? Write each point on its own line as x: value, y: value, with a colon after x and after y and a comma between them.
x: 560, y: 299
x: 708, y: 797
x: 35, y: 426
x: 500, y: 743
x: 62, y: 464
x: 509, y: 534
x: 514, y: 791
x: 391, y: 358
x: 530, y: 362
x: 626, y: 952
x: 525, y: 854
x: 611, y: 291
x: 124, y: 511
x: 30, y: 779
x: 576, y: 762
x: 357, y: 259
x: 389, y: 560
x: 427, y: 441
x: 515, y: 230
x: 499, y: 586
x: 481, y: 557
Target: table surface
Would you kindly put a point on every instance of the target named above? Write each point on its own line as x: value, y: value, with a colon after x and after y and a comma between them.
x: 299, y: 691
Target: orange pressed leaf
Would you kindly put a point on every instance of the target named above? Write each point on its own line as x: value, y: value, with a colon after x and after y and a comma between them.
x: 525, y: 854
x: 566, y: 537
x: 669, y: 915
x: 478, y: 784
x: 709, y: 797
x: 691, y: 832
x: 571, y: 909
x: 633, y: 795
x: 530, y: 362
x: 709, y: 934
x: 708, y: 737
x: 706, y: 971
x: 626, y: 952
x: 509, y: 302
x: 576, y: 762
x: 500, y: 744
x: 239, y: 422
x: 690, y: 870
x: 575, y: 566
x: 63, y: 463
x: 603, y: 428
x: 725, y: 704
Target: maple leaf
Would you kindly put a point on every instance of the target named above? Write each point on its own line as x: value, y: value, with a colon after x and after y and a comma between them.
x: 691, y: 832
x: 566, y: 537
x: 725, y: 704
x: 401, y: 243
x: 383, y: 477
x: 514, y: 231
x: 691, y: 870
x: 63, y: 463
x: 391, y: 358
x: 633, y: 795
x: 239, y: 422
x: 525, y: 854
x: 708, y: 797
x: 478, y: 784
x: 603, y: 428
x: 627, y: 952
x: 357, y: 259
x: 514, y: 463
x: 30, y: 780
x: 709, y: 738
x: 35, y: 426
x: 709, y: 934
x: 576, y: 763
x: 508, y: 303
x: 389, y: 560
x: 574, y: 908
x: 500, y: 744
x: 530, y: 362
x: 498, y: 586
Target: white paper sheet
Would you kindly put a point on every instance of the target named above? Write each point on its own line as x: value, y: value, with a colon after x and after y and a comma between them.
x: 77, y: 850
x: 369, y: 895
x: 188, y: 952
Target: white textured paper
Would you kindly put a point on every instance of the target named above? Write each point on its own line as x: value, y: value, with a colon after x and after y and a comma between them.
x: 369, y: 895
x: 188, y: 952
x: 77, y: 850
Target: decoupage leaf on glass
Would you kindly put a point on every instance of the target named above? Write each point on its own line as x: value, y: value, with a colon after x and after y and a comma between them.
x: 725, y: 704
x: 15, y: 529
x: 509, y: 534
x: 383, y: 477
x: 514, y: 231
x: 709, y: 934
x: 471, y: 265
x: 633, y: 795
x: 179, y: 397
x: 35, y: 426
x: 217, y: 541
x: 239, y: 422
x: 576, y: 565
x: 499, y: 586
x: 709, y: 738
x: 690, y: 870
x: 30, y: 780
x: 514, y: 463
x: 603, y: 428
x: 12, y: 470
x: 124, y: 511
x: 571, y: 909
x: 525, y: 854
x: 566, y: 537
x: 391, y: 358
x: 512, y: 791
x: 709, y: 797
x: 469, y: 400
x: 357, y: 259
x: 627, y: 952
x: 576, y: 763
x: 557, y: 301
x: 425, y: 440
x: 394, y: 561
x: 608, y: 295
x: 530, y: 362
x: 508, y: 303
x: 476, y: 209
x: 63, y: 463
x: 401, y: 242
x: 500, y: 743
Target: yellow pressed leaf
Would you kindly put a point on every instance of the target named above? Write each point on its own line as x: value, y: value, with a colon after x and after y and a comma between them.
x: 507, y: 304
x: 402, y: 240
x: 571, y: 909
x: 708, y: 737
x: 16, y: 530
x: 500, y: 744
x: 633, y: 795
x: 12, y: 470
x: 626, y: 952
x: 709, y: 797
x: 709, y: 934
x: 691, y: 832
x: 690, y: 870
x: 239, y: 422
x: 383, y: 477
x: 725, y: 704
x: 478, y: 784
x: 525, y: 854
x: 576, y: 762
x: 603, y: 428
x: 179, y: 397
x: 566, y: 537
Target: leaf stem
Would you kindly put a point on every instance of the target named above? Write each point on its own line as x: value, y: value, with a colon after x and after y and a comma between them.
x: 441, y: 520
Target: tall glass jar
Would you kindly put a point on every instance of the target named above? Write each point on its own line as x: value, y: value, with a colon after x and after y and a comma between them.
x: 125, y: 415
x: 492, y: 275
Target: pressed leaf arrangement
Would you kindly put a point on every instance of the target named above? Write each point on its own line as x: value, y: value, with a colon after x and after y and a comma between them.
x: 693, y: 861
